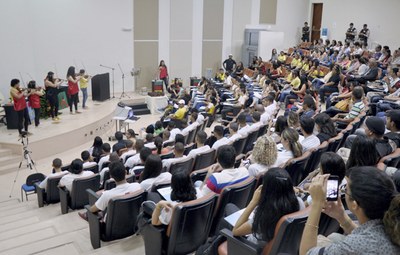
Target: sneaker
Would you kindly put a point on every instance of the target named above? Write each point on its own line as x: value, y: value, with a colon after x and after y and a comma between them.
x: 83, y: 215
x: 58, y: 118
x: 78, y: 112
x: 29, y: 133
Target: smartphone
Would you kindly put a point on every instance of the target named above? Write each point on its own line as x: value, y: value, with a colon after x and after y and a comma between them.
x: 332, y: 188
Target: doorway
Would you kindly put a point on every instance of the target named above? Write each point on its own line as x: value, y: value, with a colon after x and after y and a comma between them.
x: 316, y: 21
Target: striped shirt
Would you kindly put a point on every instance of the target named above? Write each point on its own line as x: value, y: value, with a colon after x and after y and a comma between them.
x: 355, y: 110
x: 217, y: 181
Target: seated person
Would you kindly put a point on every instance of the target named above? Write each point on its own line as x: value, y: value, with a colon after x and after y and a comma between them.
x: 113, y: 158
x: 376, y: 208
x: 87, y: 160
x: 291, y: 147
x: 152, y: 175
x: 193, y: 124
x: 357, y: 96
x: 138, y: 169
x: 105, y: 156
x: 130, y: 151
x: 272, y: 200
x: 331, y: 85
x: 325, y: 127
x: 182, y: 190
x: 180, y: 113
x: 393, y: 125
x: 363, y: 152
x: 120, y: 141
x: 158, y: 142
x: 179, y: 149
x: 310, y: 140
x: 75, y: 172
x: 220, y: 138
x: 216, y: 181
x: 117, y: 172
x: 280, y: 125
x: 264, y: 155
x: 242, y: 124
x: 233, y: 132
x: 57, y: 171
x: 173, y: 130
x: 201, y: 138
x: 135, y: 159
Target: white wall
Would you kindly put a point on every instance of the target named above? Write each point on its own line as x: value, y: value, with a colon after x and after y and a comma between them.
x: 381, y: 17
x: 41, y: 36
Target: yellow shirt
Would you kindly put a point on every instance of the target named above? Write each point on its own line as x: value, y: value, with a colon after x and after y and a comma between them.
x: 289, y: 78
x: 316, y: 74
x: 294, y: 63
x: 221, y: 76
x: 282, y: 58
x: 296, y: 83
x: 299, y: 64
x: 306, y: 67
x: 180, y: 113
x: 83, y: 82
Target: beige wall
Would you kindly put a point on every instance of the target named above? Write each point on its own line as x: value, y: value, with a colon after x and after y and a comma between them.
x: 268, y: 11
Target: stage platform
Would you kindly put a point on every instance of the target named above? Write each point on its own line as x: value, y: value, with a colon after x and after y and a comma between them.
x: 51, y: 138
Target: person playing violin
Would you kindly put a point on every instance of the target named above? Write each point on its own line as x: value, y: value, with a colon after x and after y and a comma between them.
x: 18, y: 96
x: 52, y: 85
x: 73, y: 89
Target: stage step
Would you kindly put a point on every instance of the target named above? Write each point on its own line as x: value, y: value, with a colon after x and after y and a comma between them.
x: 141, y: 111
x: 137, y: 106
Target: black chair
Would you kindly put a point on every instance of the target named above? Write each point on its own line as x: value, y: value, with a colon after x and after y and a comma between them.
x: 239, y: 145
x: 94, y: 169
x: 184, y: 165
x: 167, y: 155
x: 65, y: 168
x: 109, y: 184
x: 51, y: 193
x: 167, y: 144
x: 203, y: 126
x: 188, y: 148
x: 198, y: 175
x: 190, y: 137
x: 287, y: 237
x: 29, y: 186
x: 77, y: 198
x: 238, y: 194
x: 251, y: 139
x: 130, y: 178
x: 296, y: 167
x: 392, y: 160
x: 120, y: 221
x: 204, y: 159
x: 346, y: 132
x: 315, y: 158
x: 262, y: 130
x: 189, y: 228
x: 334, y: 142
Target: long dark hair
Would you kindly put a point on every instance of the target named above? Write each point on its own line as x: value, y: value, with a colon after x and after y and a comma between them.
x: 363, y: 153
x: 277, y: 199
x: 158, y: 142
x: 50, y: 76
x: 325, y: 124
x: 97, y: 147
x: 152, y: 167
x: 71, y: 72
x: 182, y: 187
x: 280, y: 124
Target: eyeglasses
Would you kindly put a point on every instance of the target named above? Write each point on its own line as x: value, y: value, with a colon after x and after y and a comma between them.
x: 343, y: 190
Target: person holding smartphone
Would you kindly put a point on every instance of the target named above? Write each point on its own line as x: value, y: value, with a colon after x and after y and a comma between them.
x: 372, y: 197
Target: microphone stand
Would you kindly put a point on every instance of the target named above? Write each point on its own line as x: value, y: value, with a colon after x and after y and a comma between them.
x: 123, y: 83
x: 112, y: 68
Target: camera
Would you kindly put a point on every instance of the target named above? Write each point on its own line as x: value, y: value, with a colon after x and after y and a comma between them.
x: 332, y: 189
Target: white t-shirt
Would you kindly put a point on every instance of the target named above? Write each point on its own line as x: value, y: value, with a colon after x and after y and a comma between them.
x: 102, y: 160
x: 89, y: 164
x: 189, y: 128
x: 167, y: 162
x: 283, y: 156
x: 67, y: 180
x: 43, y: 184
x: 310, y: 142
x: 220, y: 142
x: 244, y: 130
x: 162, y: 178
x: 256, y: 169
x: 120, y: 190
x: 201, y: 149
x: 126, y: 154
x: 200, y: 119
x: 133, y: 161
x: 235, y: 137
x: 173, y: 133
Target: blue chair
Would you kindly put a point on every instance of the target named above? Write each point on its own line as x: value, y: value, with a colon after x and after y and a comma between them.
x: 29, y: 186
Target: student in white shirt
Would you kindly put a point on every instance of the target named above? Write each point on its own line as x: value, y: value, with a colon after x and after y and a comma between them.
x: 193, y: 124
x: 129, y: 150
x: 233, y: 134
x: 201, y: 138
x: 143, y: 154
x: 182, y: 190
x: 135, y: 159
x: 113, y: 158
x: 179, y: 149
x: 291, y: 145
x: 105, y: 156
x: 152, y: 175
x: 263, y: 157
x: 310, y: 140
x: 76, y: 172
x: 219, y: 135
x: 57, y: 163
x: 87, y: 160
x: 243, y: 127
x: 173, y: 130
x: 117, y: 172
x: 270, y: 107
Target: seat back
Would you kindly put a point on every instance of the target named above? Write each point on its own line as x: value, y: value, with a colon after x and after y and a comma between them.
x: 52, y: 191
x: 34, y: 178
x: 251, y: 138
x: 122, y: 215
x: 296, y: 167
x: 346, y: 132
x: 203, y: 126
x: 184, y: 165
x: 188, y: 148
x: 334, y: 142
x: 262, y: 130
x: 109, y: 184
x: 204, y: 159
x: 315, y: 158
x: 198, y: 175
x: 190, y: 225
x: 94, y: 169
x: 190, y: 136
x: 238, y: 194
x: 239, y: 145
x: 287, y: 235
x: 79, y: 187
x: 167, y: 155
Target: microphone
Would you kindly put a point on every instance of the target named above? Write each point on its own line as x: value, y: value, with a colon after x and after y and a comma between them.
x: 112, y: 68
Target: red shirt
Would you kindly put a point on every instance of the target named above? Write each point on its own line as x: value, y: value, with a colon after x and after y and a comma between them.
x: 34, y: 101
x: 19, y: 104
x: 73, y: 88
x: 163, y: 72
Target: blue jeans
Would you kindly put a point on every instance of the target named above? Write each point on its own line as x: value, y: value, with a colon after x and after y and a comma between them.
x: 85, y: 97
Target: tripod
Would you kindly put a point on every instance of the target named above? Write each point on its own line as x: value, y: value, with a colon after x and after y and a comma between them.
x: 26, y: 155
x: 123, y: 84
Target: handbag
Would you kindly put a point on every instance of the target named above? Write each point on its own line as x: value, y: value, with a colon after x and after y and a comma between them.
x: 343, y: 105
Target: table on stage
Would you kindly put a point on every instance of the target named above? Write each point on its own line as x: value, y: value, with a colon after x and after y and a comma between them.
x: 156, y: 103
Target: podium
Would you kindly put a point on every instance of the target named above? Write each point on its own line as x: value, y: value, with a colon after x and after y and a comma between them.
x: 101, y: 87
x: 11, y: 116
x: 157, y: 85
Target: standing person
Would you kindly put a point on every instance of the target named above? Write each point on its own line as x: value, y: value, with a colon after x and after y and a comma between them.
x: 73, y: 89
x: 351, y: 33
x: 83, y: 83
x: 18, y: 97
x: 34, y: 100
x: 229, y: 64
x: 163, y: 73
x: 305, y: 32
x: 52, y: 84
x: 364, y: 35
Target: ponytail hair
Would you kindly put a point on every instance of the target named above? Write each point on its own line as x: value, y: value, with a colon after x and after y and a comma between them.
x: 292, y: 137
x: 158, y: 142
